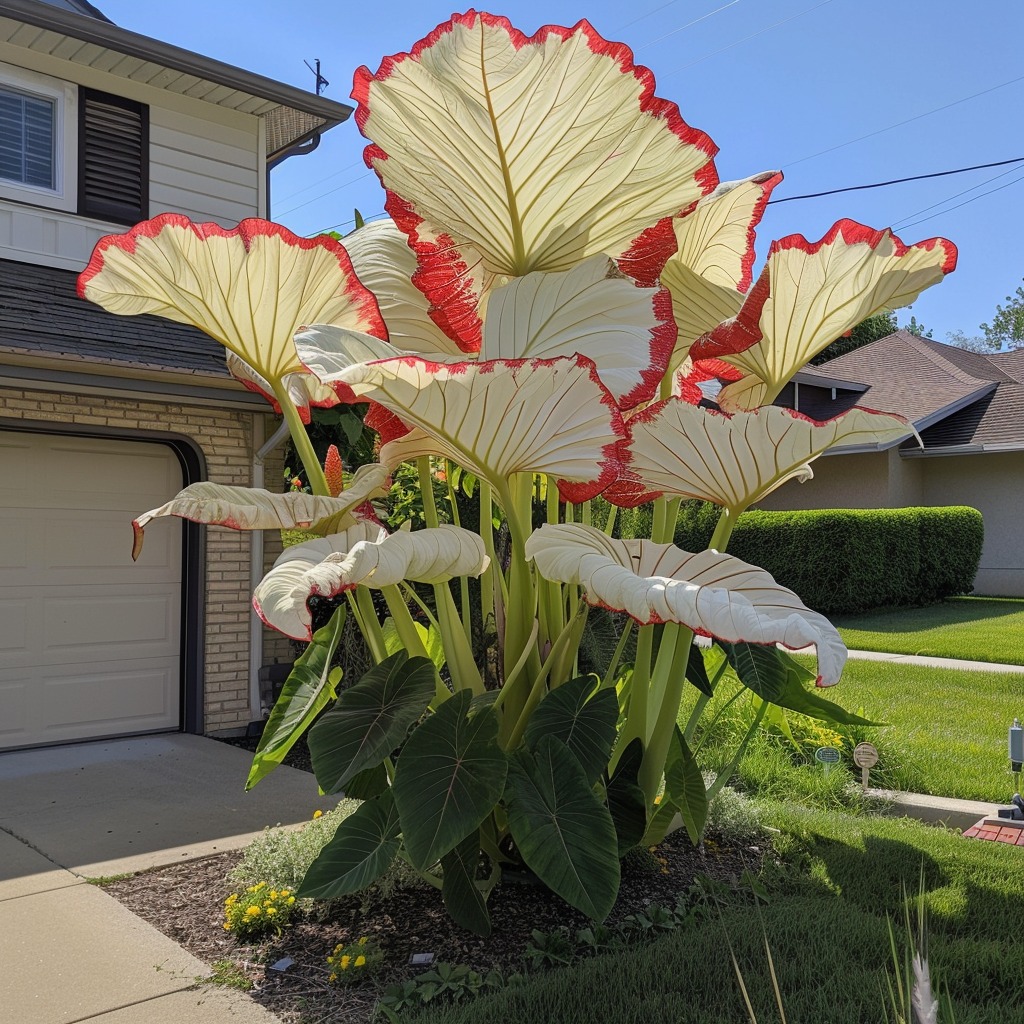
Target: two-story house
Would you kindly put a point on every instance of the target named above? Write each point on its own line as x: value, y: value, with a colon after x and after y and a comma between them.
x: 104, y: 417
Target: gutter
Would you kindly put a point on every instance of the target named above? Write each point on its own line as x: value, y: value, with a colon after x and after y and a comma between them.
x: 256, y: 709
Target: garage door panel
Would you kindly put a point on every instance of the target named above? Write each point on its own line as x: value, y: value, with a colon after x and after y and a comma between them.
x: 110, y: 627
x: 138, y: 699
x: 89, y: 640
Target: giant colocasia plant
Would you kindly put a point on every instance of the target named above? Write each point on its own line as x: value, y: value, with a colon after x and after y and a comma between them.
x: 560, y: 270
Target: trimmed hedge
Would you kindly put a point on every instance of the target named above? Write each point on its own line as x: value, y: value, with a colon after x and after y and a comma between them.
x: 845, y: 560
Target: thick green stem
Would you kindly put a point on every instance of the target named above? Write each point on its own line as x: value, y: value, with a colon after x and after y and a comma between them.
x: 702, y: 702
x: 300, y: 439
x: 666, y: 694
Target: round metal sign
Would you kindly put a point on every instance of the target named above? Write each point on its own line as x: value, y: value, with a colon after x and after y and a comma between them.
x: 865, y: 755
x: 826, y: 755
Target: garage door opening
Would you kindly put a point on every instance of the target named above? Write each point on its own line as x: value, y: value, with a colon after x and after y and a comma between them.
x: 90, y: 642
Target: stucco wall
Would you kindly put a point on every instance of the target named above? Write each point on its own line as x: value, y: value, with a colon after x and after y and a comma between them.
x: 840, y: 481
x: 225, y: 439
x: 993, y: 484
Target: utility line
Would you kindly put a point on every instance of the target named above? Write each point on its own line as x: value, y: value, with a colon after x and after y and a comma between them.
x: 956, y: 195
x: 682, y: 28
x: 899, y: 124
x: 752, y: 35
x: 319, y: 181
x: 900, y: 181
x: 998, y: 188
x: 653, y: 10
x: 330, y: 191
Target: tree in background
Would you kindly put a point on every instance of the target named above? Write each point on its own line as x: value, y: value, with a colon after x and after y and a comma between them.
x: 1006, y: 331
x: 878, y: 326
x: 913, y: 327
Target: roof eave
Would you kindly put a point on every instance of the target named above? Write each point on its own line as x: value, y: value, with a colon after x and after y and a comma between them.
x: 132, y: 44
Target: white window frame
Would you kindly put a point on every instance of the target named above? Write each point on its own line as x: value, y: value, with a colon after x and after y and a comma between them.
x: 64, y: 95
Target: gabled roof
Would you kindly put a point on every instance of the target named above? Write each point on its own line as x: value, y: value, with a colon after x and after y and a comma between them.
x: 955, y: 398
x: 290, y: 115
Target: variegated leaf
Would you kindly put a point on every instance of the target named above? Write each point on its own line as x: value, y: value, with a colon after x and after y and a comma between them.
x: 328, y: 567
x: 685, y: 451
x: 250, y: 287
x: 302, y: 387
x: 592, y: 310
x: 811, y: 293
x: 503, y: 155
x: 713, y: 594
x: 494, y: 418
x: 711, y: 271
x: 252, y: 508
x: 384, y: 263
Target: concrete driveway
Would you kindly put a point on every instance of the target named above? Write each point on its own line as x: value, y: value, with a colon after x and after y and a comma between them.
x: 71, y: 952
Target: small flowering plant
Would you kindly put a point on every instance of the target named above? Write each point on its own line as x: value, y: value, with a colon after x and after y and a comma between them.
x: 352, y: 962
x: 561, y: 270
x: 258, y: 910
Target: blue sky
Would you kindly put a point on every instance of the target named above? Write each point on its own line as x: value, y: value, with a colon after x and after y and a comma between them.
x: 808, y: 86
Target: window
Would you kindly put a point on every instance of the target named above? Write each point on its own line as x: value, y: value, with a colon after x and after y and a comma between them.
x: 38, y: 133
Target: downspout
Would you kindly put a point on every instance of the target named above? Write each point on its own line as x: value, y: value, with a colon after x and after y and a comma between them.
x: 256, y: 709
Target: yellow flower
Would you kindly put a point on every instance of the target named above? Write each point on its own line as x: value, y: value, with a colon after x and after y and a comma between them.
x: 273, y: 894
x: 332, y: 977
x: 291, y: 900
x: 317, y: 814
x: 271, y: 910
x: 360, y: 961
x: 363, y: 941
x: 252, y: 912
x: 345, y: 961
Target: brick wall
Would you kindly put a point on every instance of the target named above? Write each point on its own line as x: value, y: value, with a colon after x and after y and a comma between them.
x: 225, y: 439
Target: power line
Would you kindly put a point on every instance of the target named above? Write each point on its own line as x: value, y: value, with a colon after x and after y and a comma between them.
x: 330, y: 191
x: 647, y: 15
x: 345, y: 224
x: 900, y: 181
x: 682, y: 28
x: 932, y: 216
x: 899, y: 124
x: 752, y: 35
x: 956, y: 195
x: 319, y: 181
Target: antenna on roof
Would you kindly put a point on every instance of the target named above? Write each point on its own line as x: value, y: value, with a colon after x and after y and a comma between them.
x: 321, y: 82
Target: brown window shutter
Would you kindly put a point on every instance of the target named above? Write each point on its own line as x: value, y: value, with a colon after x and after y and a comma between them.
x: 113, y: 157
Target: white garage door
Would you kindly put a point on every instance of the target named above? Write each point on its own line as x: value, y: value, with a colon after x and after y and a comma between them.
x: 89, y: 640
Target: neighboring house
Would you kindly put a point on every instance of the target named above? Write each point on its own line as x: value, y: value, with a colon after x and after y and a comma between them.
x: 969, y: 411
x: 104, y: 417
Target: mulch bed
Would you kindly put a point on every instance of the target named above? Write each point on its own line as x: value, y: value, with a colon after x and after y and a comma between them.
x: 186, y: 902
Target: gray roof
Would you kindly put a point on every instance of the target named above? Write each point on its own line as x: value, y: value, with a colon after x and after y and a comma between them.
x: 291, y: 115
x: 79, y: 7
x: 954, y: 397
x: 42, y: 316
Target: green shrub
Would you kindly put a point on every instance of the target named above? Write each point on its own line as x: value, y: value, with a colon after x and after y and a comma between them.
x: 258, y: 909
x: 844, y: 560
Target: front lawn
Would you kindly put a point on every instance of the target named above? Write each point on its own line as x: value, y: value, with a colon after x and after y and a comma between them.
x: 826, y: 923
x: 974, y: 628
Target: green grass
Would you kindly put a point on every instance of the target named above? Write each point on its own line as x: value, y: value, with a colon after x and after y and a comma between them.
x: 826, y: 923
x: 974, y: 628
x: 945, y: 734
x: 947, y: 728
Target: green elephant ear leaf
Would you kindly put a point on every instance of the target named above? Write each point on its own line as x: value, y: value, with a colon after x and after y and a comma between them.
x: 778, y: 678
x: 370, y: 719
x: 462, y: 898
x: 448, y: 778
x: 362, y: 849
x: 307, y: 691
x: 582, y: 719
x: 626, y: 801
x: 697, y: 673
x: 369, y: 783
x: 684, y: 786
x: 563, y: 832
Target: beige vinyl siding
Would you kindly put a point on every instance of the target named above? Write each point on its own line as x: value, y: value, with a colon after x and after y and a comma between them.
x: 205, y: 162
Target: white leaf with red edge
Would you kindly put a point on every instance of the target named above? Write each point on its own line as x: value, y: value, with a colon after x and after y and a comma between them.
x: 504, y: 155
x: 713, y: 594
x: 250, y: 287
x: 685, y: 451
x: 385, y: 264
x: 711, y: 270
x: 252, y: 508
x: 302, y: 387
x: 593, y: 310
x: 281, y: 599
x: 809, y: 294
x: 328, y: 567
x: 494, y: 418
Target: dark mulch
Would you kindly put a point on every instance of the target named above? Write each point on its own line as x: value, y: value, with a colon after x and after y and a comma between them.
x: 186, y: 901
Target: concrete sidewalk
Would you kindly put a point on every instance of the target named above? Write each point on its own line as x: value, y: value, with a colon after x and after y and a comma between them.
x: 923, y: 659
x: 69, y: 951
